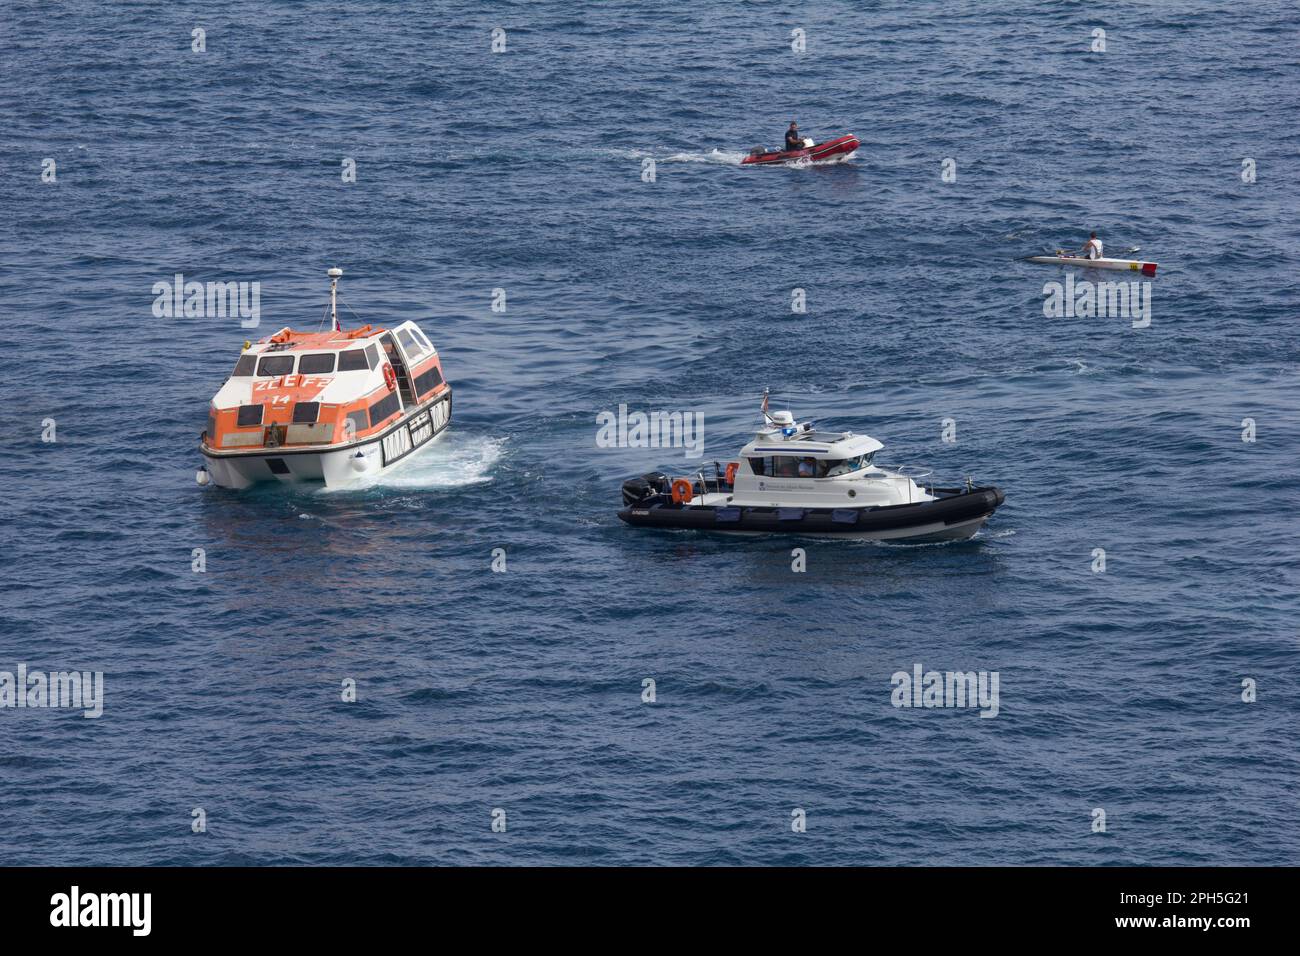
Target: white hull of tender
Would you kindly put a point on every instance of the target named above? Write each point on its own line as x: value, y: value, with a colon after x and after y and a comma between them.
x: 1126, y: 265
x: 361, y: 460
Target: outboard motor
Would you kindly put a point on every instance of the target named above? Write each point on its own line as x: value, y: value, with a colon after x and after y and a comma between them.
x: 641, y: 490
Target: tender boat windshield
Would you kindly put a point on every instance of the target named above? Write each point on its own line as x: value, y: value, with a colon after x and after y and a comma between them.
x: 275, y: 365
x: 318, y: 363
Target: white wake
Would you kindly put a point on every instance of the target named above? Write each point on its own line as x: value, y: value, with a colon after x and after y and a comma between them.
x: 452, y: 460
x: 712, y: 156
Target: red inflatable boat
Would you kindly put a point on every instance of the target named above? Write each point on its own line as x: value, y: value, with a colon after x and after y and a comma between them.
x: 833, y: 150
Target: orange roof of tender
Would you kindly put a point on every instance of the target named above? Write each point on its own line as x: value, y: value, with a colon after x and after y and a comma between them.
x: 319, y: 340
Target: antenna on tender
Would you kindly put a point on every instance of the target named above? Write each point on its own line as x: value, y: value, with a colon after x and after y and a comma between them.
x: 334, y: 275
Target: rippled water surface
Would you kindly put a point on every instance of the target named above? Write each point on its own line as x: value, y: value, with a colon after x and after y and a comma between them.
x: 521, y: 691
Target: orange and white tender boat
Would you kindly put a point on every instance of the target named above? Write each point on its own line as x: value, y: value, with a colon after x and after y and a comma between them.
x: 330, y: 406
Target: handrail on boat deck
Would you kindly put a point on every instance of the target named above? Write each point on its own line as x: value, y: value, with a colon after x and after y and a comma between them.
x: 913, y: 473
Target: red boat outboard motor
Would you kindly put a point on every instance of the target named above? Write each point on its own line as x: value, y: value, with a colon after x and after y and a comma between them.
x: 641, y: 490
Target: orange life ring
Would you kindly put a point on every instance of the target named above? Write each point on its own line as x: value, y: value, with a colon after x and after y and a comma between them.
x: 682, y: 491
x: 732, y: 467
x: 390, y: 377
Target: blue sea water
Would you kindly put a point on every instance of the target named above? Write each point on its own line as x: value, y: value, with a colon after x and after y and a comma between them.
x: 522, y: 691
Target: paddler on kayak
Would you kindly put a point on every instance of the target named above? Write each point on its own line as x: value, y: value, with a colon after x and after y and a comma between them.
x: 792, y: 138
x: 1092, y: 248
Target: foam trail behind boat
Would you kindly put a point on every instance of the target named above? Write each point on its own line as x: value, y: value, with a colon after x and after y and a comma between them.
x: 712, y: 156
x: 454, y: 460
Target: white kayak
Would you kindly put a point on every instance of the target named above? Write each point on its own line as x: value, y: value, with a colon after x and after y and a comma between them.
x: 1128, y: 265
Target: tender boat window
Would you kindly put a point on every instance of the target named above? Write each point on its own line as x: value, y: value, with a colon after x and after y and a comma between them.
x: 353, y: 360
x: 360, y: 421
x: 306, y: 413
x: 413, y: 348
x: 372, y: 353
x: 275, y: 365
x: 249, y: 415
x: 245, y: 366
x: 428, y: 380
x: 318, y: 363
x: 384, y: 407
x: 420, y: 335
